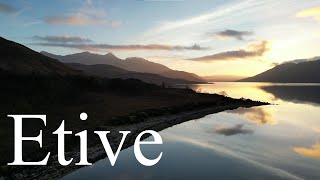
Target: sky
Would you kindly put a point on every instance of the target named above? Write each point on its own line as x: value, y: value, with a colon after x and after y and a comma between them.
x: 207, y: 37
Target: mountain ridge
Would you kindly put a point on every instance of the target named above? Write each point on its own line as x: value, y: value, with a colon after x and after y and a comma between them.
x: 134, y: 64
x: 303, y: 72
x: 109, y: 71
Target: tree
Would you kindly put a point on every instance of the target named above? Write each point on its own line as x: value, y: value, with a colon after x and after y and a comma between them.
x: 163, y: 85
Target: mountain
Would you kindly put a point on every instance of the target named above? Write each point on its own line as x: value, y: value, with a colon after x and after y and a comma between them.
x: 18, y: 59
x: 109, y: 71
x: 304, y: 72
x: 182, y: 75
x: 131, y: 64
x: 143, y: 65
x: 223, y: 78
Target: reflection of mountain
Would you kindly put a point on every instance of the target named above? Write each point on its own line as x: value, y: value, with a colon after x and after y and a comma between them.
x: 258, y: 115
x: 130, y: 64
x: 306, y: 94
x: 305, y: 72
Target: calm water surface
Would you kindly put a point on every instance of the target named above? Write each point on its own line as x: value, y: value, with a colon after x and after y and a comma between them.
x: 270, y: 142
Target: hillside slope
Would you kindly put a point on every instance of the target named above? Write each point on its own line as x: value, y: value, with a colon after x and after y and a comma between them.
x: 304, y: 72
x: 18, y: 59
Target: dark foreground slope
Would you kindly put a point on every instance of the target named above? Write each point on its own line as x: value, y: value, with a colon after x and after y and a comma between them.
x: 19, y: 59
x: 304, y: 72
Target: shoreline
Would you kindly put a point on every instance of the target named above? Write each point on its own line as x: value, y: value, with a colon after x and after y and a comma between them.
x: 95, y: 153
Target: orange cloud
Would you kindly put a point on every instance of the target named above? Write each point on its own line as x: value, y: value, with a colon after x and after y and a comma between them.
x: 256, y: 49
x: 313, y: 152
x: 81, y: 20
x: 312, y: 12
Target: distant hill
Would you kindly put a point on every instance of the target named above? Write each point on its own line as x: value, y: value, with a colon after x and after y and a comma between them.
x: 223, y: 78
x: 18, y: 59
x: 131, y: 64
x: 304, y: 72
x: 109, y: 71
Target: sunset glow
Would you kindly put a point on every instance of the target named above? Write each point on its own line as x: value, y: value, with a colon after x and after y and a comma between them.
x: 208, y: 38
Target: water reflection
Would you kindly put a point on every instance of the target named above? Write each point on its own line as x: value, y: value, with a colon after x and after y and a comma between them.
x: 234, y: 130
x: 251, y: 167
x: 267, y: 142
x: 257, y: 115
x: 131, y: 176
x: 296, y: 94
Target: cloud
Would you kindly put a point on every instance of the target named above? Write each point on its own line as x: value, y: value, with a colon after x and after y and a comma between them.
x: 88, y: 2
x: 313, y: 152
x: 201, y: 20
x: 7, y: 9
x: 256, y: 49
x: 229, y: 33
x: 257, y: 115
x: 87, y: 15
x: 230, y: 131
x: 312, y: 12
x: 103, y: 47
x: 81, y: 20
x: 62, y: 39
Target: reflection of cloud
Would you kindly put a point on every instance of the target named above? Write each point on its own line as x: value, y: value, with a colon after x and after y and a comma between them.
x: 233, y: 154
x: 62, y: 39
x: 256, y: 49
x: 6, y: 9
x: 313, y: 152
x: 312, y: 12
x: 134, y: 47
x: 230, y: 131
x: 257, y: 115
x: 229, y: 33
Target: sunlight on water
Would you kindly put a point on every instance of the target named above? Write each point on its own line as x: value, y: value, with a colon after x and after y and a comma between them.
x: 269, y: 142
